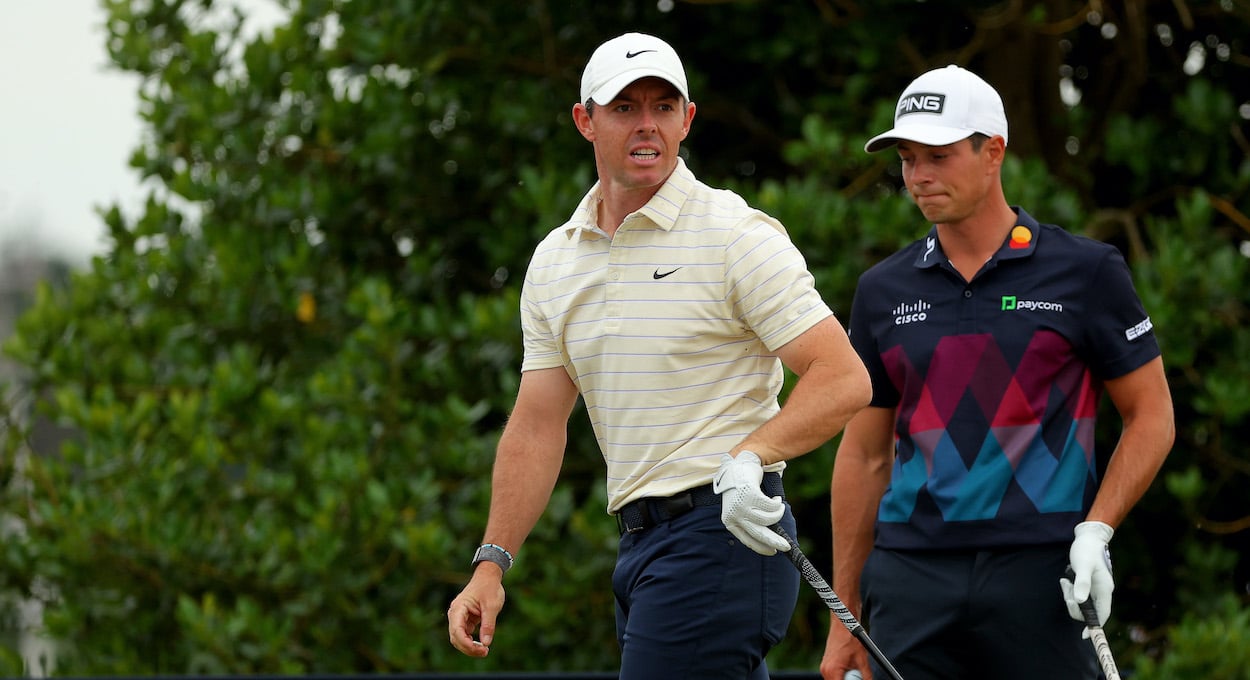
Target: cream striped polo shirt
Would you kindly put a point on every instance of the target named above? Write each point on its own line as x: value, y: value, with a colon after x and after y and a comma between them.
x: 668, y: 328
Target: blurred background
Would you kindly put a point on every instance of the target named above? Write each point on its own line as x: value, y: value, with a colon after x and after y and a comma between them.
x: 259, y: 272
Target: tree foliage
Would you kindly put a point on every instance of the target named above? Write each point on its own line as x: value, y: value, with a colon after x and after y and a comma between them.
x: 286, y: 376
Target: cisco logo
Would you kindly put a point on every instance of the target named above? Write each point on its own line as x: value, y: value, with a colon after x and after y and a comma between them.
x: 911, y: 312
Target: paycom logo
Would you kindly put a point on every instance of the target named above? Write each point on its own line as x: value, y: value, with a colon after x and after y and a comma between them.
x: 1012, y: 304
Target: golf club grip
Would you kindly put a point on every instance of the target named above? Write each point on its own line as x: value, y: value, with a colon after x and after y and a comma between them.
x: 822, y: 587
x: 1102, y: 648
x: 1097, y: 636
x: 825, y: 591
x: 1103, y: 651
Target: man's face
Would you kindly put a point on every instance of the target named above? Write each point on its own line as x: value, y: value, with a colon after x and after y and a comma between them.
x: 950, y: 183
x: 637, y: 135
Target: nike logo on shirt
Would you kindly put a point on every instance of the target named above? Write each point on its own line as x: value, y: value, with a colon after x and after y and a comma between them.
x: 658, y: 275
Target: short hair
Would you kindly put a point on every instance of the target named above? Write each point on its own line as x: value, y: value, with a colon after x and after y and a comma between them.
x: 978, y: 139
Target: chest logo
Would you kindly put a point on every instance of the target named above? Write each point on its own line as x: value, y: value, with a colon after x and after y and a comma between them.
x: 911, y: 312
x: 658, y: 275
x: 1012, y: 304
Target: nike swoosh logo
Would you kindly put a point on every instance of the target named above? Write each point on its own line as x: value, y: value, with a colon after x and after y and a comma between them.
x: 657, y: 274
x: 631, y: 55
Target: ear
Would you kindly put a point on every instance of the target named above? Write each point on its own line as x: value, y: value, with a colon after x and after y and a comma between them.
x: 995, y: 149
x: 583, y: 121
x: 685, y: 126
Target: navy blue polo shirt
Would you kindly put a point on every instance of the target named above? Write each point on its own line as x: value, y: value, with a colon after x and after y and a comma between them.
x: 996, y: 383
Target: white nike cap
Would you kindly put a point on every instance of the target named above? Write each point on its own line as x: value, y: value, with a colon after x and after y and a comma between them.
x: 624, y: 59
x: 942, y: 107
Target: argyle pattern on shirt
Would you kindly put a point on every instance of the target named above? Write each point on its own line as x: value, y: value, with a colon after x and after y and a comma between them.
x: 998, y: 451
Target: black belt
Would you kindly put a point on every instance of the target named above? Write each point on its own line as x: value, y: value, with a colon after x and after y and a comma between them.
x: 645, y: 513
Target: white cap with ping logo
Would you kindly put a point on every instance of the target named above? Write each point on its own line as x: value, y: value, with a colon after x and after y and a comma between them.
x: 624, y: 59
x: 942, y: 107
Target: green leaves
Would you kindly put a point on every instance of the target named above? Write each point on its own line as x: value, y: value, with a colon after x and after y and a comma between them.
x: 279, y: 390
x: 1206, y: 644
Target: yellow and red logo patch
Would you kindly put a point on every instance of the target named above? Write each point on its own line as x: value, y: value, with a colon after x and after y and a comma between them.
x: 1021, y: 237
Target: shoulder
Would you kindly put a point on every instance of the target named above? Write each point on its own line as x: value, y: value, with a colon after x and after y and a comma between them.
x: 706, y: 203
x: 710, y: 215
x: 561, y: 250
x: 899, y: 262
x: 559, y: 239
x: 1059, y: 236
x: 1058, y: 243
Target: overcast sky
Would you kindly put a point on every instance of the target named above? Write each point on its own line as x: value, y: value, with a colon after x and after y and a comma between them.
x: 68, y: 124
x: 67, y: 127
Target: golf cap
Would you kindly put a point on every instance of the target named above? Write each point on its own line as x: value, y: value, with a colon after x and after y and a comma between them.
x: 624, y: 59
x: 942, y: 107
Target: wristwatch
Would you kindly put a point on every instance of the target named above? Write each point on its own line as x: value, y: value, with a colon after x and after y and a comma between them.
x: 489, y: 552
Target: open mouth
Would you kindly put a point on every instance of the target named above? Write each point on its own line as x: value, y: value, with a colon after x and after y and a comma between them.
x: 645, y: 154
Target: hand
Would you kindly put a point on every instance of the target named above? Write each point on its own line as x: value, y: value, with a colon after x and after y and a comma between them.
x: 745, y: 510
x: 1090, y: 560
x: 844, y: 656
x: 475, y: 610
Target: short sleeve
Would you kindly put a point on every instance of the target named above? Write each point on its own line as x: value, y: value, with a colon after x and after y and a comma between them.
x: 771, y: 290
x: 1119, y: 335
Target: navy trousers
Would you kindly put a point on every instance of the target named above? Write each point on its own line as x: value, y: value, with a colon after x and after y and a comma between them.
x: 692, y: 602
x: 949, y: 615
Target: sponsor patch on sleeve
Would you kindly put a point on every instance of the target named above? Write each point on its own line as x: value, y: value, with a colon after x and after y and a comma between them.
x: 1139, y: 330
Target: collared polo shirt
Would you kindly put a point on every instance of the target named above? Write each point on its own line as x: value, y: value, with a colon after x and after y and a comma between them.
x: 996, y: 383
x: 669, y: 328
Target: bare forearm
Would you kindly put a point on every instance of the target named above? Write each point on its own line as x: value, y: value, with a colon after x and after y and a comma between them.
x: 818, y: 407
x: 861, y: 473
x: 529, y: 456
x: 855, y: 494
x: 1134, y: 465
x: 1145, y: 404
x: 524, y: 475
x: 833, y: 386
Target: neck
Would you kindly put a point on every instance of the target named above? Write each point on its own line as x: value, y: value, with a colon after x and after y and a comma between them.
x: 971, y: 242
x: 616, y: 203
x: 611, y: 211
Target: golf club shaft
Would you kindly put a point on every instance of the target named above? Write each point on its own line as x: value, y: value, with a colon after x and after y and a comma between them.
x: 1102, y: 649
x: 813, y: 577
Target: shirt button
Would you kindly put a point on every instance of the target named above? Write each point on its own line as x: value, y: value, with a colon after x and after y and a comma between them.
x: 967, y: 293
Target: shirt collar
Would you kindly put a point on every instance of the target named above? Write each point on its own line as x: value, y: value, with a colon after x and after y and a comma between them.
x: 1021, y: 241
x: 663, y: 209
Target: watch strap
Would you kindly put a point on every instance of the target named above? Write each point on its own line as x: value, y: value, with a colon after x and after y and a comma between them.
x: 489, y: 552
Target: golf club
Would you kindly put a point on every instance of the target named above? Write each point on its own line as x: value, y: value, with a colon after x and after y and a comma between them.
x: 813, y: 577
x: 1102, y: 649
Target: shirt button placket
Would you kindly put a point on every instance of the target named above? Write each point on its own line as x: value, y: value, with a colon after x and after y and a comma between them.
x: 968, y: 314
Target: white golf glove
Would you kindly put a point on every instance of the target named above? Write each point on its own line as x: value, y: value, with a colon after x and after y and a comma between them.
x: 745, y: 510
x: 1090, y: 560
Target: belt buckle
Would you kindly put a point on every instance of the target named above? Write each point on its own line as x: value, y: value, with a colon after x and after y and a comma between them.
x: 644, y: 516
x: 675, y: 506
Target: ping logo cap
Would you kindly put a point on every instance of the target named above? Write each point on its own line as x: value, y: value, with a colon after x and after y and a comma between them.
x: 942, y: 107
x: 626, y: 58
